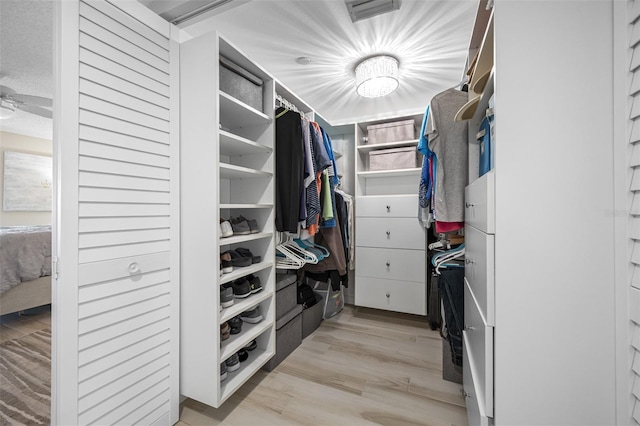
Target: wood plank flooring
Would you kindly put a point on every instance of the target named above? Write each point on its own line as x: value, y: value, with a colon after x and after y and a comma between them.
x: 362, y: 367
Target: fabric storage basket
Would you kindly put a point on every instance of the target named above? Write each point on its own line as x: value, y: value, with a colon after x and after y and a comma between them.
x: 240, y: 83
x: 404, y: 130
x: 288, y: 336
x: 312, y: 317
x: 286, y: 296
x: 394, y: 158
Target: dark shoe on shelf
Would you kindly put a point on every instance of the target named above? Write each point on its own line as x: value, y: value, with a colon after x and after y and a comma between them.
x: 251, y: 346
x: 253, y: 224
x: 247, y: 253
x: 241, y: 288
x: 223, y: 371
x: 226, y: 297
x: 254, y: 283
x: 236, y: 324
x: 237, y: 260
x: 233, y: 363
x: 226, y: 262
x: 252, y: 316
x: 225, y: 330
x: 240, y: 226
x: 243, y: 355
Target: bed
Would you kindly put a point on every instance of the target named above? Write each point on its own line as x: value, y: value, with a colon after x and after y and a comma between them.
x: 25, y: 267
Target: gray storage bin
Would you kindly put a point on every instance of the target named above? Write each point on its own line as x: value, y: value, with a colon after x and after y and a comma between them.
x: 241, y: 84
x: 312, y: 317
x: 288, y: 337
x: 404, y: 130
x: 394, y: 158
x: 286, y: 295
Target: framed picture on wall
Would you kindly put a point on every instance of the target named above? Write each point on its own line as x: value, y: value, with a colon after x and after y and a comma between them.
x: 28, y: 182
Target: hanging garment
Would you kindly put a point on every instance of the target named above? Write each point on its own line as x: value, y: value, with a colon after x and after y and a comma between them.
x: 448, y: 140
x: 289, y: 170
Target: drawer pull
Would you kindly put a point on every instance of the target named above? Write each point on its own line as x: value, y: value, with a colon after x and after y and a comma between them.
x: 467, y: 205
x: 465, y: 394
x: 388, y: 233
x: 469, y: 261
x: 388, y: 208
x: 388, y: 263
x: 469, y: 328
x: 388, y: 295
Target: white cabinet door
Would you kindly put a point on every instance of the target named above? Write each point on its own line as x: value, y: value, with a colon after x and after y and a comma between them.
x: 116, y: 225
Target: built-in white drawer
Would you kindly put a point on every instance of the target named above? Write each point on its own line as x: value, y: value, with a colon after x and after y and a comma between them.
x: 475, y: 410
x: 392, y: 232
x: 479, y: 203
x: 479, y: 350
x: 480, y: 270
x: 391, y: 264
x: 387, y: 206
x: 393, y: 295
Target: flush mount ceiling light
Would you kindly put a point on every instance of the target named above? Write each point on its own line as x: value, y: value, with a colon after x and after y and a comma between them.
x: 377, y: 76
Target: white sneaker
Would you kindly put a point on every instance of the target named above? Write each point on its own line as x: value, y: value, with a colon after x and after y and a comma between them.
x: 225, y: 228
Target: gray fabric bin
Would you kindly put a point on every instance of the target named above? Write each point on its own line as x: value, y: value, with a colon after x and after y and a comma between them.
x: 241, y: 84
x: 394, y: 158
x: 312, y: 317
x: 288, y: 337
x: 286, y: 294
x: 404, y: 130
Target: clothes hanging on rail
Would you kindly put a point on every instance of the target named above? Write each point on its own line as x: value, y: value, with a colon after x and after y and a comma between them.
x: 448, y: 140
x: 289, y: 169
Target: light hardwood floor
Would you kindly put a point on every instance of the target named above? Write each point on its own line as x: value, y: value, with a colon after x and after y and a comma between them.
x: 362, y: 367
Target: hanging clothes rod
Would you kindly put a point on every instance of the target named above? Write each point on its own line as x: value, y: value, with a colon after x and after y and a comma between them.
x: 286, y: 104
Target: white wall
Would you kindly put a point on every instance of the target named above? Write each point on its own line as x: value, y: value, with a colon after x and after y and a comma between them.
x: 29, y: 145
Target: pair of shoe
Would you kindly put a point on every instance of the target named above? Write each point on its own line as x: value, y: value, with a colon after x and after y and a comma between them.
x: 226, y: 297
x: 233, y: 362
x: 226, y: 265
x: 226, y: 230
x: 235, y: 325
x: 252, y: 316
x: 244, y: 226
x: 225, y: 331
x: 240, y: 288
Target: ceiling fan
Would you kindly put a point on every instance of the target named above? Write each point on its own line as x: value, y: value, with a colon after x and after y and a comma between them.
x: 10, y: 102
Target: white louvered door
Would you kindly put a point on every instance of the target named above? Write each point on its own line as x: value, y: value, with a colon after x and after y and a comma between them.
x: 116, y: 298
x: 634, y: 208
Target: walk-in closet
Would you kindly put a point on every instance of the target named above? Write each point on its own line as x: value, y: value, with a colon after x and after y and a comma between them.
x: 336, y: 212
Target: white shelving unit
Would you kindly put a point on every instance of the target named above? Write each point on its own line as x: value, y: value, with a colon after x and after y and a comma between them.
x: 227, y: 158
x: 387, y: 229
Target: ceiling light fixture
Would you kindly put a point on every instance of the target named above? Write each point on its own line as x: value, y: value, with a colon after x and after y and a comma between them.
x: 377, y: 76
x: 7, y: 110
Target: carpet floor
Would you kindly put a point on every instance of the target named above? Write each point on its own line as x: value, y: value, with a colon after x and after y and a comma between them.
x: 25, y: 380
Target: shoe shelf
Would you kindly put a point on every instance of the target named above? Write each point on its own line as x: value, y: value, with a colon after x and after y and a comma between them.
x: 242, y: 272
x: 227, y: 158
x: 241, y: 305
x: 235, y: 379
x: 235, y: 114
x: 386, y: 145
x: 244, y: 238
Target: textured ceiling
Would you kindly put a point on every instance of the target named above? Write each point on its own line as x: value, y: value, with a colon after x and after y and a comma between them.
x: 430, y: 39
x: 26, y: 60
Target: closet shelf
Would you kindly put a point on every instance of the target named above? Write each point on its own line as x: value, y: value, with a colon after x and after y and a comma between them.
x: 390, y: 173
x: 234, y: 145
x: 241, y: 272
x: 241, y: 305
x: 231, y: 171
x: 235, y: 114
x: 238, y: 341
x: 244, y: 238
x: 257, y: 358
x: 376, y: 146
x: 246, y: 206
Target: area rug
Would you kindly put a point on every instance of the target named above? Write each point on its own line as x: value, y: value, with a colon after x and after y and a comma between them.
x: 25, y: 380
